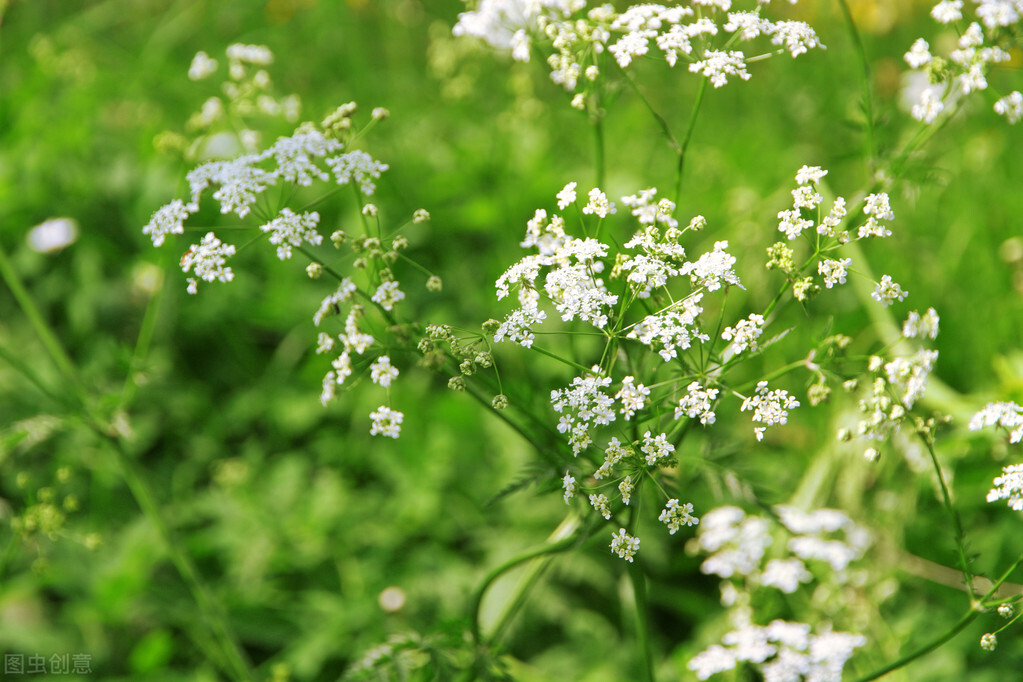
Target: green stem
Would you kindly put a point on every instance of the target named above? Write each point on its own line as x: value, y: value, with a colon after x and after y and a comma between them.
x: 236, y: 663
x: 967, y: 618
x: 868, y: 96
x: 235, y: 660
x: 957, y: 522
x: 688, y: 136
x: 598, y: 148
x: 638, y: 580
x: 53, y: 348
x: 563, y: 538
x: 144, y: 340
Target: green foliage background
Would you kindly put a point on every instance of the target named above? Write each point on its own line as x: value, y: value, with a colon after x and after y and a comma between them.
x: 296, y: 519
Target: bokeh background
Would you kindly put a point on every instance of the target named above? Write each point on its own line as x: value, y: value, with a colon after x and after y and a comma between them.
x: 297, y: 520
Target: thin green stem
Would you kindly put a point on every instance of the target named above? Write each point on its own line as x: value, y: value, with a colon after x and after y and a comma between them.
x: 144, y: 340
x: 690, y: 127
x: 961, y: 624
x: 957, y: 522
x: 236, y: 663
x: 50, y: 343
x: 868, y: 95
x: 598, y: 148
x: 638, y: 580
x: 562, y: 539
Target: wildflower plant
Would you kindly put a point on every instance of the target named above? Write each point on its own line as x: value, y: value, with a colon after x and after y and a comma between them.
x: 256, y: 187
x: 643, y: 351
x: 987, y: 32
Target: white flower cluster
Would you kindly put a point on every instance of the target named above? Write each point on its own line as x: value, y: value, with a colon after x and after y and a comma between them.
x: 738, y: 547
x: 1007, y: 415
x: 745, y: 333
x: 806, y: 200
x: 782, y: 650
x: 769, y: 407
x: 981, y: 44
x: 678, y: 32
x: 583, y: 406
x: 1009, y: 486
x: 208, y: 259
x: 738, y: 544
x: 239, y: 182
x: 290, y: 229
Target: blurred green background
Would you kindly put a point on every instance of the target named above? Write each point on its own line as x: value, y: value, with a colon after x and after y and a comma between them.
x: 296, y: 519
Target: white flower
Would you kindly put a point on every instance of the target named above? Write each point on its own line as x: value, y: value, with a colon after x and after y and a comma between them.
x: 656, y: 448
x: 598, y: 204
x: 797, y: 37
x: 421, y: 215
x: 918, y: 55
x: 718, y: 66
x: 888, y: 291
x: 240, y: 184
x: 930, y: 105
x: 358, y: 166
x: 698, y: 403
x: 258, y: 55
x: 167, y: 220
x: 745, y: 333
x: 202, y: 66
x: 792, y: 223
x: 295, y: 155
x: 290, y: 229
x: 518, y: 326
x: 810, y: 174
x: 208, y: 259
x: 332, y: 304
x: 387, y: 294
x: 625, y: 488
x: 633, y: 397
x: 923, y: 326
x: 624, y: 545
x: 568, y: 483
x: 386, y: 422
x: 834, y: 271
x: 785, y: 574
x: 1007, y: 415
x: 769, y: 407
x: 382, y: 372
x: 601, y: 505
x: 713, y: 268
x: 1010, y: 106
x: 948, y: 11
x: 566, y: 196
x: 675, y: 515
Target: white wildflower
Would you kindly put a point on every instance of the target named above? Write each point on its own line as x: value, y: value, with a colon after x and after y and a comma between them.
x: 598, y: 204
x: 718, y: 66
x: 358, y: 166
x: 745, y: 333
x: 834, y: 271
x: 290, y: 229
x: 382, y: 372
x: 202, y: 66
x: 1010, y: 106
x: 167, y: 220
x: 566, y: 196
x: 1007, y: 415
x: 568, y: 483
x: 675, y: 515
x: 888, y: 291
x: 601, y: 505
x: 208, y: 260
x: 386, y: 422
x: 633, y: 397
x: 656, y: 448
x: 769, y: 407
x: 387, y: 294
x: 925, y: 325
x: 624, y: 545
